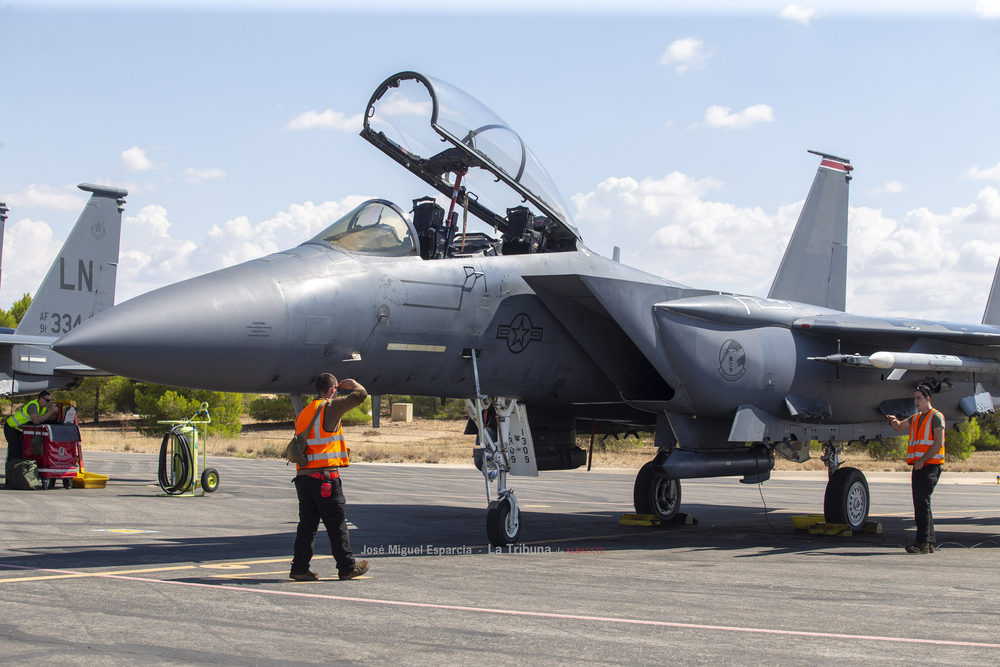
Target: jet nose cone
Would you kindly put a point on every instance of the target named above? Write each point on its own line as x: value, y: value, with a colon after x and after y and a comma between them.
x: 223, y: 331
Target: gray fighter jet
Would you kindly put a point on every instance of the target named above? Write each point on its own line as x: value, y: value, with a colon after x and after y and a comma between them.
x: 544, y: 337
x: 80, y: 283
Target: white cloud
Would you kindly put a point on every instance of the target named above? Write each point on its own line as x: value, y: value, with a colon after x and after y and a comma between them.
x: 988, y: 174
x: 718, y: 116
x: 45, y: 196
x: 986, y: 208
x: 328, y: 119
x: 670, y: 227
x: 151, y: 257
x: 196, y: 175
x: 798, y: 14
x: 988, y: 9
x: 28, y: 251
x: 134, y: 159
x: 685, y: 54
x: 399, y: 103
x: 891, y: 187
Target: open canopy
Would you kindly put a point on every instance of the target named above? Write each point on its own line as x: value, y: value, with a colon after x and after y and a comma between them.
x: 434, y: 129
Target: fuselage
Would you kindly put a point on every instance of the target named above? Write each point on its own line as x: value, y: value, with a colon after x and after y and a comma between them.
x: 406, y: 326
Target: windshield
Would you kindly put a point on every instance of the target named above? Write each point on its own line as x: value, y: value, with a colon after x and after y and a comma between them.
x: 375, y: 226
x: 435, y: 129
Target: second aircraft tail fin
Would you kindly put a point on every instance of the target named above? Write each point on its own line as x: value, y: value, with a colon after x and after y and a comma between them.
x: 3, y: 221
x: 814, y: 268
x: 81, y: 281
x: 992, y: 313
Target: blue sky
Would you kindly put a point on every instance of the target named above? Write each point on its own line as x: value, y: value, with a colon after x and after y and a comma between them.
x: 679, y: 134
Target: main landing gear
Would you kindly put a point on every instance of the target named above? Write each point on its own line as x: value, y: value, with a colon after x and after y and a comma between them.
x: 655, y: 495
x: 847, y: 499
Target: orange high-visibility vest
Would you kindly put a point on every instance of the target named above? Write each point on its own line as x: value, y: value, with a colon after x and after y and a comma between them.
x: 922, y: 438
x: 323, y: 448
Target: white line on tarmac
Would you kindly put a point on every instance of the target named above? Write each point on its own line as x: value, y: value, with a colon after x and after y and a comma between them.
x: 531, y: 614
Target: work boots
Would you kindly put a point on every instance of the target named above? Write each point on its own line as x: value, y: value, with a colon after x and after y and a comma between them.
x: 360, y: 568
x: 921, y: 548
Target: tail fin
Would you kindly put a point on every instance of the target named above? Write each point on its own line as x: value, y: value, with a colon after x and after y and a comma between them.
x: 814, y: 268
x: 81, y: 281
x: 992, y: 313
x: 3, y: 222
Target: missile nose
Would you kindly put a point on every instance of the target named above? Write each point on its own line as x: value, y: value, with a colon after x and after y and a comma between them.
x: 221, y: 331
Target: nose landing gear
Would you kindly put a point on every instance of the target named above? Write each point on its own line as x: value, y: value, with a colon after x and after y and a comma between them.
x: 506, y: 450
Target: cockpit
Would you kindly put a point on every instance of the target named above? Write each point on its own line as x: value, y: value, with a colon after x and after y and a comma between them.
x: 477, y: 165
x: 377, y: 227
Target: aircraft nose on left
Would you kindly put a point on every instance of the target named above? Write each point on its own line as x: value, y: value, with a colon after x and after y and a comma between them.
x: 221, y: 331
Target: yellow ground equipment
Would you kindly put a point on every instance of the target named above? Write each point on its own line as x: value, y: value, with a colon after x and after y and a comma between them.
x: 178, y: 469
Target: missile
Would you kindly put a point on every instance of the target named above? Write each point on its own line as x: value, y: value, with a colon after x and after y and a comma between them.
x: 843, y: 360
x: 933, y: 362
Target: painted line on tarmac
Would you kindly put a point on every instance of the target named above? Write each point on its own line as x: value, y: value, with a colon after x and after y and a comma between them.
x: 243, y: 575
x: 532, y: 614
x: 78, y: 575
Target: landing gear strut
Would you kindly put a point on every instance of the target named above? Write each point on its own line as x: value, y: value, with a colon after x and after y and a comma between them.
x: 655, y: 495
x: 507, y: 449
x: 847, y: 499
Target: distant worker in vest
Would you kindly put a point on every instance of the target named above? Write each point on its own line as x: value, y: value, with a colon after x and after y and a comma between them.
x: 317, y: 483
x: 925, y: 452
x: 37, y: 411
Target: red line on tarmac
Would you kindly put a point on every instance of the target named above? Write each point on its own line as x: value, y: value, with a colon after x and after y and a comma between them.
x: 529, y: 614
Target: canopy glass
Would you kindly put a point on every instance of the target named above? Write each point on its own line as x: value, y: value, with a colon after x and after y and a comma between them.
x: 376, y: 227
x: 436, y: 131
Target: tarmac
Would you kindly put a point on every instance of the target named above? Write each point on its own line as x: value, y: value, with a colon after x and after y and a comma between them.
x: 121, y: 576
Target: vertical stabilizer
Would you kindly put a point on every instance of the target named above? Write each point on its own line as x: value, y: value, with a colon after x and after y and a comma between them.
x: 3, y: 223
x: 81, y: 281
x: 814, y: 268
x: 992, y: 313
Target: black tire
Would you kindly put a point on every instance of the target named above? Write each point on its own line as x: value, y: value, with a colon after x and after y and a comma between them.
x: 67, y: 482
x: 501, y: 527
x: 210, y: 480
x: 847, y: 499
x: 655, y: 495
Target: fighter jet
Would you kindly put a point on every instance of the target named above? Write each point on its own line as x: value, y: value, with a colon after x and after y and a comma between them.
x: 80, y: 284
x: 544, y: 337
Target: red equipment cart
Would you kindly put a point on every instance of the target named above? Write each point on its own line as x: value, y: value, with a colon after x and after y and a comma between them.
x: 55, y: 448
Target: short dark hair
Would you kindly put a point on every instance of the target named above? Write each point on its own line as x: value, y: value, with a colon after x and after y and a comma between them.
x: 45, y: 394
x: 925, y: 390
x: 324, y: 383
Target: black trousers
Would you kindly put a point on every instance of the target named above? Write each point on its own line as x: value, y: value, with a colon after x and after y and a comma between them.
x: 922, y: 482
x: 15, y: 450
x: 313, y: 508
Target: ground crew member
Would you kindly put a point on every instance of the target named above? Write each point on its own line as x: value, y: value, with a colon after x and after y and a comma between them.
x: 34, y: 412
x: 317, y: 483
x: 925, y: 452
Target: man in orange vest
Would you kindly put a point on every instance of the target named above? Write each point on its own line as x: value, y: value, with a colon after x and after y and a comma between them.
x: 925, y: 452
x: 317, y: 483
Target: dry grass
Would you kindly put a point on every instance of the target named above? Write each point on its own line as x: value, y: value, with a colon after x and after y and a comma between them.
x: 436, y: 441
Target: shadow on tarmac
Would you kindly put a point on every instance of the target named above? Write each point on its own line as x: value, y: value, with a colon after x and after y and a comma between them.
x: 720, y: 527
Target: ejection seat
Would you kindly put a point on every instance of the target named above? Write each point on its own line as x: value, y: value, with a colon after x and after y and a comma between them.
x: 525, y: 233
x: 432, y: 234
